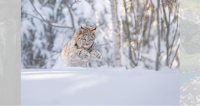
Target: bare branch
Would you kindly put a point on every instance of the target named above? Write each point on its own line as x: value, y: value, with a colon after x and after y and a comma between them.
x: 72, y: 18
x: 32, y: 16
x: 175, y: 56
x: 47, y: 21
x: 44, y: 19
x: 36, y: 10
x: 76, y: 1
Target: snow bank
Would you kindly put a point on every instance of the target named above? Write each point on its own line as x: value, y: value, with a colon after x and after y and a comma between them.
x: 100, y: 86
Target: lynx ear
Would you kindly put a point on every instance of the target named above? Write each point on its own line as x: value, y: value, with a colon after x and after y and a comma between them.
x: 81, y: 30
x: 95, y: 28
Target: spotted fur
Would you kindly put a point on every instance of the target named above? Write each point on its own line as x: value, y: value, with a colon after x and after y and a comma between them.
x: 80, y: 48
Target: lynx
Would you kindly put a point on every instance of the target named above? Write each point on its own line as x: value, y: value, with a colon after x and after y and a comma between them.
x: 80, y: 48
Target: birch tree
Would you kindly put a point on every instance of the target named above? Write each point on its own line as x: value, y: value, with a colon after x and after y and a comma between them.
x: 116, y: 33
x: 158, y: 28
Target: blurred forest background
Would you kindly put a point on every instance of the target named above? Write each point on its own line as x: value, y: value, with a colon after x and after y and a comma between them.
x: 129, y: 33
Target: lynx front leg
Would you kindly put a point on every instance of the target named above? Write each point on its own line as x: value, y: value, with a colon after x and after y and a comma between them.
x: 95, y: 55
x: 84, y: 55
x: 79, y: 55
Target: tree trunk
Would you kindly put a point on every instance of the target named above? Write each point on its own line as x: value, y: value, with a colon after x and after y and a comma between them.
x: 158, y: 28
x: 116, y: 33
x: 128, y: 34
x: 167, y: 35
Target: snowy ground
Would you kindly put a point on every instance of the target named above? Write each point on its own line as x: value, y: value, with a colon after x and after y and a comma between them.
x: 100, y: 86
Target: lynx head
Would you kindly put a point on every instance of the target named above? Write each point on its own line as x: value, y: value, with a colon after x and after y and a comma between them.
x: 86, y: 37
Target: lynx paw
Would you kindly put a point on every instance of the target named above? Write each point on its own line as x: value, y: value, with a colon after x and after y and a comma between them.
x: 84, y: 55
x: 95, y: 55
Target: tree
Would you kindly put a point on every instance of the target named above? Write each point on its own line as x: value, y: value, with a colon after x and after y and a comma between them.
x: 116, y: 33
x: 158, y: 28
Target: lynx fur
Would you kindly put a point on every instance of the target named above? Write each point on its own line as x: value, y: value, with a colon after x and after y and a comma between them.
x: 80, y: 48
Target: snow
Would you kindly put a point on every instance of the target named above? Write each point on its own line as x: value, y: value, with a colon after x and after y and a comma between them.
x: 99, y: 86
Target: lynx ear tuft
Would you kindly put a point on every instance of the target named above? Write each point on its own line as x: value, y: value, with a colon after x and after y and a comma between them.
x: 95, y: 28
